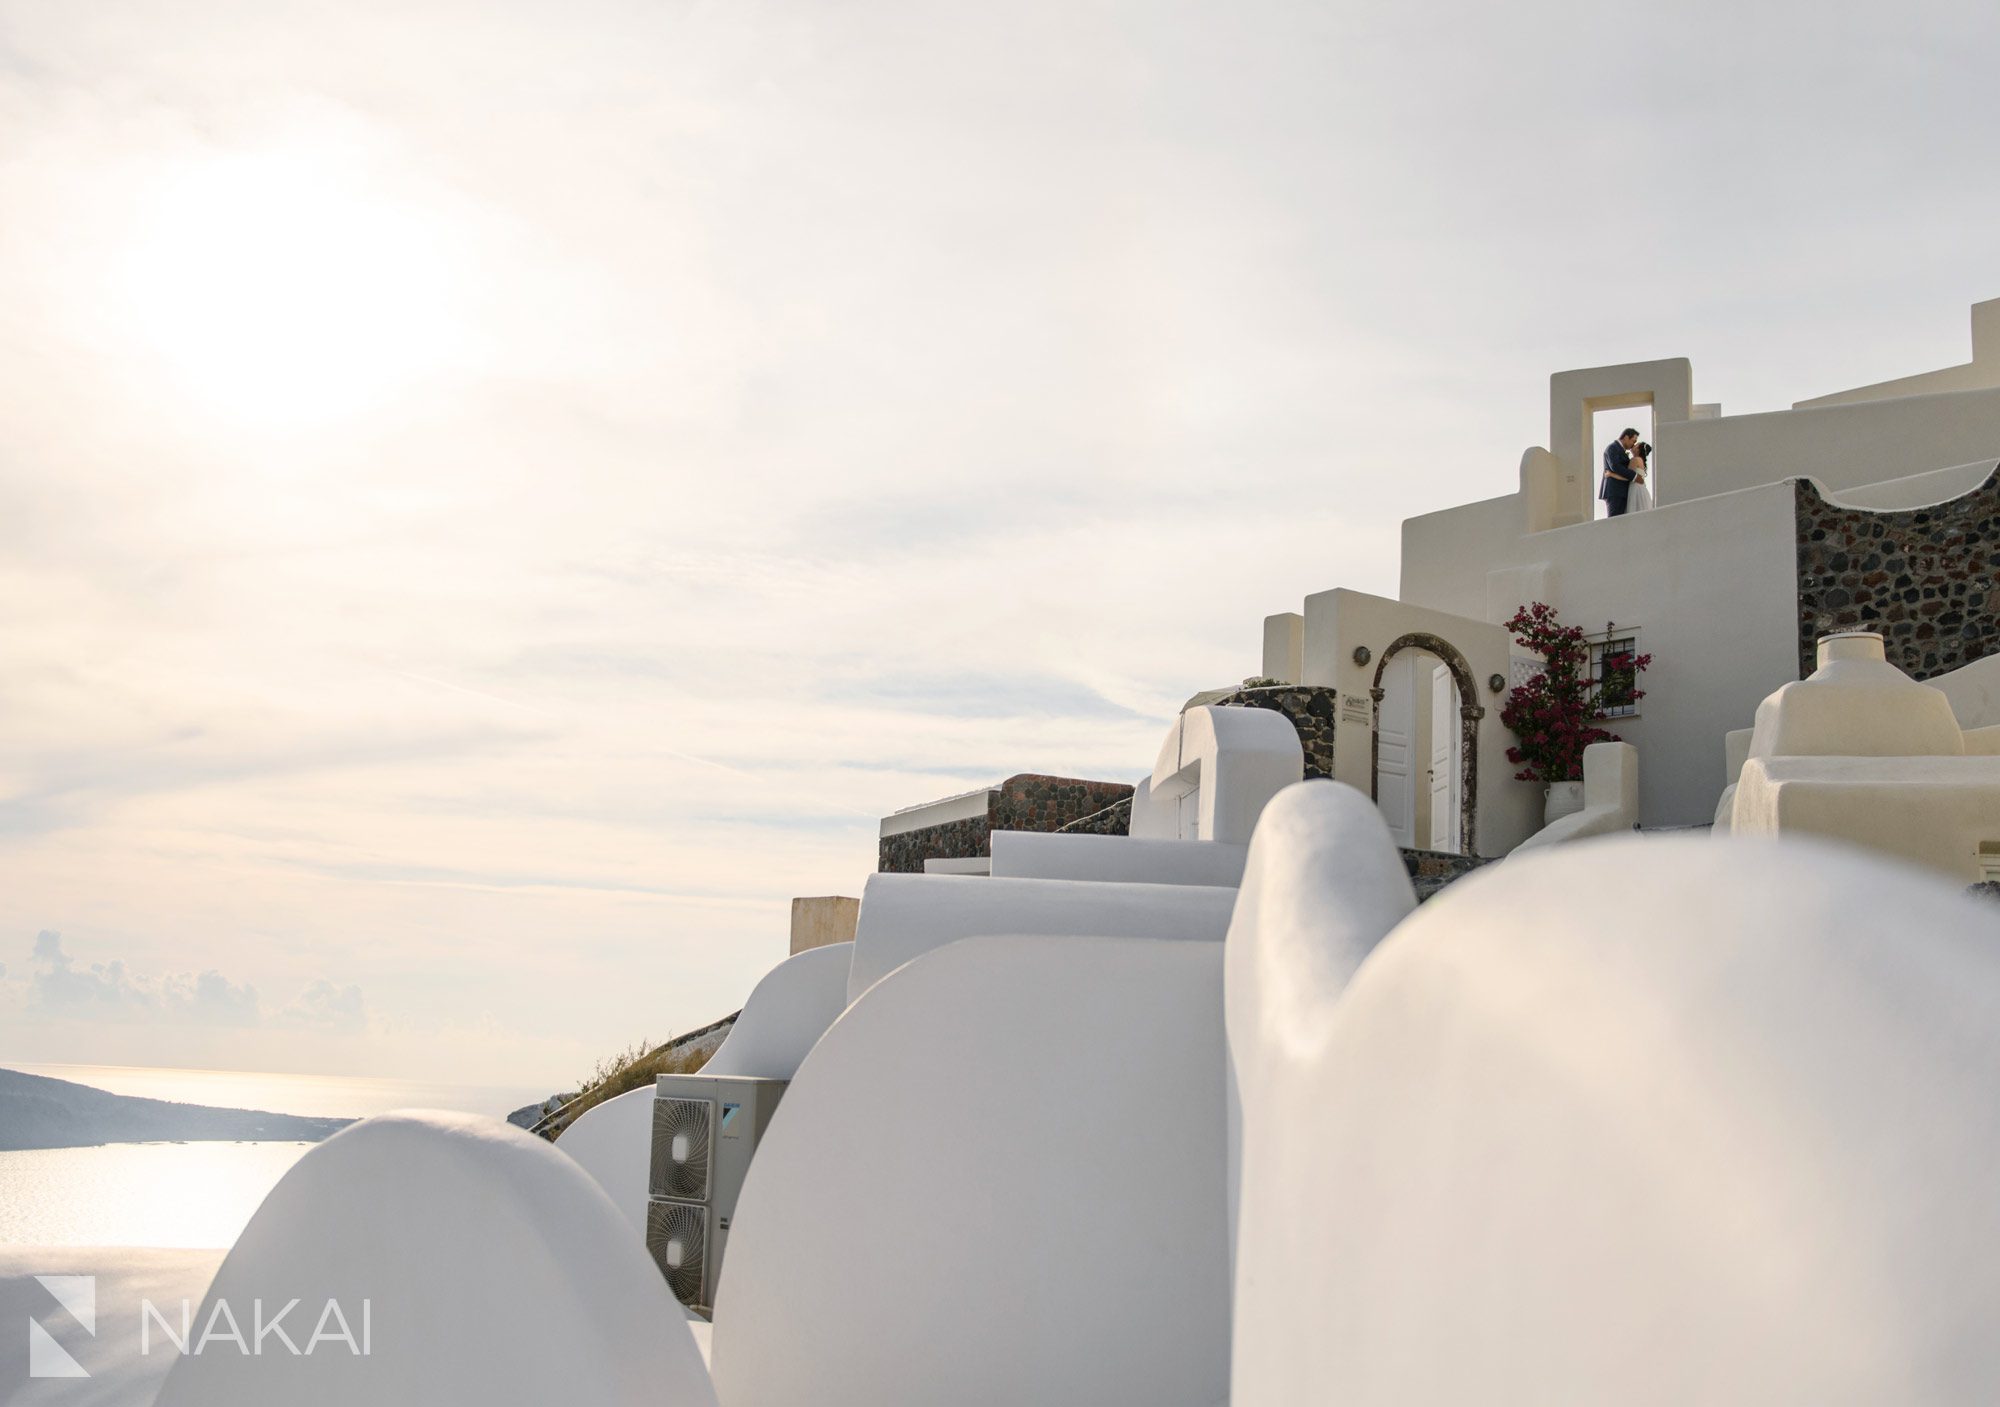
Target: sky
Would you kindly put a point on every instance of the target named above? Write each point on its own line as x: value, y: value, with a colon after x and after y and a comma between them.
x: 496, y: 498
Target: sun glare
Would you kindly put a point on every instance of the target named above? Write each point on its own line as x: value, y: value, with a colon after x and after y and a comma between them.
x: 282, y: 292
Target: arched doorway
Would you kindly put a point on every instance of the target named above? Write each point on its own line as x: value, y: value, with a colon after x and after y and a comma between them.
x: 1426, y: 744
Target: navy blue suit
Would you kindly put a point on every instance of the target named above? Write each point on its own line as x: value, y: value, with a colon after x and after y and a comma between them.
x: 1616, y: 489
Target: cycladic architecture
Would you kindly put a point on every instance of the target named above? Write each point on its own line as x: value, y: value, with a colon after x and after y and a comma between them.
x: 1859, y: 752
x: 1193, y: 1089
x: 1873, y: 509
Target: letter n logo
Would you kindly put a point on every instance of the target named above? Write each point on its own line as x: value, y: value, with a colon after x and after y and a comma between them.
x: 78, y: 1295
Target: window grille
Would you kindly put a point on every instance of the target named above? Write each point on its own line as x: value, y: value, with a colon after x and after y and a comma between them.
x: 1615, y: 683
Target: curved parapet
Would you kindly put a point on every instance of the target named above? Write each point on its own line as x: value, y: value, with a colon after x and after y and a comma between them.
x: 613, y: 1142
x: 1324, y: 884
x: 1913, y: 492
x: 904, y: 916
x: 999, y: 1179
x: 1645, y: 1122
x: 437, y: 1260
x: 1974, y: 692
x: 788, y: 1011
x: 1215, y: 772
x: 1610, y: 799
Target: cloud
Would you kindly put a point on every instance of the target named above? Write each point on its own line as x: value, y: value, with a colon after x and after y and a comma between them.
x: 111, y: 991
x: 884, y: 407
x: 324, y: 1006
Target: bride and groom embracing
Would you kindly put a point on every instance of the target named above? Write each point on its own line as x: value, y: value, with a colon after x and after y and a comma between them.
x: 1624, y: 488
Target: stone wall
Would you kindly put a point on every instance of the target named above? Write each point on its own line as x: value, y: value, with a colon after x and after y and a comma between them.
x: 1923, y: 577
x: 1028, y: 802
x: 1311, y: 710
x: 1429, y: 870
x: 954, y: 840
x: 1031, y: 802
x: 1115, y: 819
x: 1432, y: 870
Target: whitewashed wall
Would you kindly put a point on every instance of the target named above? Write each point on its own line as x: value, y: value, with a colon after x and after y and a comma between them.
x: 904, y: 916
x: 1711, y: 586
x: 785, y: 1015
x: 1982, y: 370
x: 999, y: 1179
x: 1338, y: 621
x: 1841, y: 446
x: 1214, y: 773
x: 1324, y: 885
x: 613, y: 1142
x: 1119, y: 858
x: 1633, y: 1121
x: 494, y: 1271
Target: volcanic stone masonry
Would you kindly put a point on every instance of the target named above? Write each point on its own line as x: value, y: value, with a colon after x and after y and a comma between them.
x: 1432, y: 870
x: 1028, y: 802
x: 1115, y: 819
x: 1037, y: 803
x: 1923, y: 577
x: 1311, y: 710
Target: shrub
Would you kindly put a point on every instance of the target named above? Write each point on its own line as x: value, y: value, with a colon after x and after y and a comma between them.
x: 626, y: 1071
x: 1556, y: 713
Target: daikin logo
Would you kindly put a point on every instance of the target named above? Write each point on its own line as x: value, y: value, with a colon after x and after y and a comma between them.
x: 78, y: 1295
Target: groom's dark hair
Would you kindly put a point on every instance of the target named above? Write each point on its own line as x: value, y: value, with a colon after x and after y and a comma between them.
x: 1628, y: 433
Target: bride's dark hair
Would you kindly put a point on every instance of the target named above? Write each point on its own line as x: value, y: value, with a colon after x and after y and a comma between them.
x: 1644, y: 451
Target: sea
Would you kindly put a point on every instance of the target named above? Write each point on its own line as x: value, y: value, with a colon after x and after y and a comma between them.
x: 197, y: 1195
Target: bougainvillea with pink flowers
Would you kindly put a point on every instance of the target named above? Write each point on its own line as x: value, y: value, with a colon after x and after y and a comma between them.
x: 1556, y: 713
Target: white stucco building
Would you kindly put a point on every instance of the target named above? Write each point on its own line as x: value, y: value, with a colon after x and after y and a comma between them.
x: 1873, y: 508
x: 1206, y: 1109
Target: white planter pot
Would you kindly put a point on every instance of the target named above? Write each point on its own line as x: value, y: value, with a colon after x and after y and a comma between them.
x: 1561, y: 799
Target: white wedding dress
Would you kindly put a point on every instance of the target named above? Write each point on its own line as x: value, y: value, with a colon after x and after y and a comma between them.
x: 1639, y: 496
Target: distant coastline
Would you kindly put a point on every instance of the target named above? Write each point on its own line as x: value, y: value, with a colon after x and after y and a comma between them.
x: 38, y: 1111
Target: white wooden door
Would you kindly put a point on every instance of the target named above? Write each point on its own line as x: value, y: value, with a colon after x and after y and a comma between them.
x: 1395, y: 787
x: 1444, y: 760
x: 1189, y: 813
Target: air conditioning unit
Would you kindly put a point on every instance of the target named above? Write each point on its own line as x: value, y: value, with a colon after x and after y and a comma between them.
x: 705, y: 1129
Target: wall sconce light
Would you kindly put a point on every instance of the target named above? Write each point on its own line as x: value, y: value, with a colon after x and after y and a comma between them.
x: 1362, y: 654
x: 1496, y: 682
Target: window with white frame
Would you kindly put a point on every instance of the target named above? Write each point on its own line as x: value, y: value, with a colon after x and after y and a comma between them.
x: 1611, y: 670
x: 1989, y: 861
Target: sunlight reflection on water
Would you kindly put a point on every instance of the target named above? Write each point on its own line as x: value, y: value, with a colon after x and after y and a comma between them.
x: 328, y: 1096
x: 137, y: 1194
x: 192, y: 1194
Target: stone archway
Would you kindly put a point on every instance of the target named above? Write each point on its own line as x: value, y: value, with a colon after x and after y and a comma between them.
x: 1469, y: 713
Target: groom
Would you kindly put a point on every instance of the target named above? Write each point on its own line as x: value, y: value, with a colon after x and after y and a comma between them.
x: 1616, y: 490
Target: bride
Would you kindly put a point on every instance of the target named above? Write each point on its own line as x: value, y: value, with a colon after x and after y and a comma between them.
x: 1640, y: 495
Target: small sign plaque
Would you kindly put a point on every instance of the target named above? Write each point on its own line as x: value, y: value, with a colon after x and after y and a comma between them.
x: 1358, y: 709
